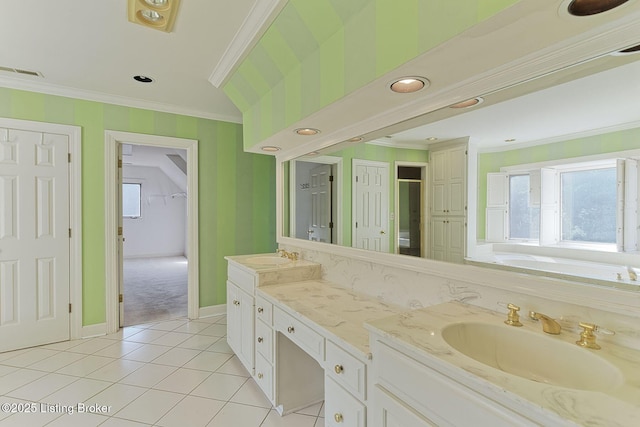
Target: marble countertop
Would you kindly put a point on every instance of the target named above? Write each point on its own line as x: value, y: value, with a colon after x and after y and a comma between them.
x: 419, y: 331
x: 245, y: 261
x: 339, y: 311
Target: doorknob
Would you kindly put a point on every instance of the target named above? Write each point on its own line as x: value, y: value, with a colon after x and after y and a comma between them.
x: 382, y: 232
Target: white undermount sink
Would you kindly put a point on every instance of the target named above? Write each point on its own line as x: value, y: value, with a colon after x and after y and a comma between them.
x: 268, y: 260
x: 533, y: 356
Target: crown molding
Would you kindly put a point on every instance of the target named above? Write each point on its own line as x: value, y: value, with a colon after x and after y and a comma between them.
x: 262, y: 14
x: 124, y: 101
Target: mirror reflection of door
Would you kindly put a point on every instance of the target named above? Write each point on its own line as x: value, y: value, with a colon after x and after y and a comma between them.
x: 410, y: 201
x: 314, y: 198
x: 371, y: 205
x: 320, y: 223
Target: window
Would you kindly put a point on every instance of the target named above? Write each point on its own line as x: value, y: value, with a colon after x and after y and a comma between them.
x: 131, y: 205
x: 524, y: 218
x: 588, y: 205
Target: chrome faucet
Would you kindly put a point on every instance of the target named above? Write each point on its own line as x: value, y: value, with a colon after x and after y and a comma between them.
x: 549, y: 325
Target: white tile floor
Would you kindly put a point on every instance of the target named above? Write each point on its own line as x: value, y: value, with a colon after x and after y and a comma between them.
x: 174, y: 373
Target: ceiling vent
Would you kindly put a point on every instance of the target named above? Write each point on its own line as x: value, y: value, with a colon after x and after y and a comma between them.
x: 20, y: 71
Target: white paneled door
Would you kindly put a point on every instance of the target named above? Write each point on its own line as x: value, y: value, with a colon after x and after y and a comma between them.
x: 34, y: 238
x: 371, y: 205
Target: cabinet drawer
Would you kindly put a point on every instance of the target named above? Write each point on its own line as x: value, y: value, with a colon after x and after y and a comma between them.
x: 340, y: 408
x: 302, y: 335
x: 264, y: 341
x: 264, y: 376
x: 346, y: 369
x: 264, y: 310
x: 436, y: 396
x: 243, y: 279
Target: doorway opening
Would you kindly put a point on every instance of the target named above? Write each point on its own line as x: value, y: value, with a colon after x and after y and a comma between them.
x: 123, y: 241
x: 410, y: 209
x: 154, y: 251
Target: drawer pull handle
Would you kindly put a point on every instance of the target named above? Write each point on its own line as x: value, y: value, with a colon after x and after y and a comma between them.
x: 260, y: 339
x: 338, y: 417
x: 260, y: 309
x: 291, y: 329
x: 260, y: 375
x: 339, y: 369
x: 236, y: 302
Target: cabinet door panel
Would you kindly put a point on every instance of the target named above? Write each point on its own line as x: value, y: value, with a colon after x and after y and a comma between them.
x: 390, y: 412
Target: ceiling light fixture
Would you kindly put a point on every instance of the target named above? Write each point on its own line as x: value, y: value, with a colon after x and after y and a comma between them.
x: 468, y: 103
x: 143, y: 79
x: 409, y: 84
x: 270, y: 148
x: 156, y: 14
x: 592, y: 7
x: 307, y: 131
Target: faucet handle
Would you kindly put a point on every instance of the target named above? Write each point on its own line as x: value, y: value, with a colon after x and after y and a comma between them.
x: 513, y: 318
x: 587, y: 336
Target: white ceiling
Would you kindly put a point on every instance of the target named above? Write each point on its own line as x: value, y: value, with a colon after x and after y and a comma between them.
x: 88, y: 49
x: 594, y: 104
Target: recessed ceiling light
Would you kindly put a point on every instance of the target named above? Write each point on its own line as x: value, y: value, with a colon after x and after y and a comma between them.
x: 270, y: 148
x: 307, y: 131
x: 468, y: 103
x: 510, y: 140
x: 156, y: 3
x: 432, y: 138
x: 355, y: 139
x: 592, y: 7
x: 143, y: 79
x: 409, y: 84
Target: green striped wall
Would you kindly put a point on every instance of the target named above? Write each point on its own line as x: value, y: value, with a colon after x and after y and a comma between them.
x: 319, y: 51
x: 599, y: 144
x: 236, y: 189
x: 372, y: 152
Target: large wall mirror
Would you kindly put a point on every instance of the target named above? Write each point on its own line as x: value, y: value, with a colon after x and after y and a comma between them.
x: 550, y: 167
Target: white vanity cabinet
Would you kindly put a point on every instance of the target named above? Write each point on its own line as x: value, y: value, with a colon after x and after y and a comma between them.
x: 410, y: 393
x: 264, y: 344
x: 240, y: 318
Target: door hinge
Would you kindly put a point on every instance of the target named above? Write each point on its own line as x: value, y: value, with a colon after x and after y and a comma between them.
x: 120, y: 163
x: 330, y: 178
x: 120, y: 298
x: 119, y: 231
x: 356, y: 178
x: 68, y: 157
x: 69, y: 233
x: 331, y: 225
x: 356, y: 224
x: 69, y: 307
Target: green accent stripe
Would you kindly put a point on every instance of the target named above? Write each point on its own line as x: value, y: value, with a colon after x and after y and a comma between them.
x: 334, y: 47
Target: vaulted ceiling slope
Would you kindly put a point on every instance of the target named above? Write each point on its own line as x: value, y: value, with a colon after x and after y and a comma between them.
x: 338, y: 81
x: 316, y: 52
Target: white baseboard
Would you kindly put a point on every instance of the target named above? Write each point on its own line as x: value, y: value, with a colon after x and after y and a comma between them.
x: 213, y: 310
x: 96, y: 330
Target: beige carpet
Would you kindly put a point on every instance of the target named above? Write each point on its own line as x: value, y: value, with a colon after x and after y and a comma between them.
x: 155, y: 289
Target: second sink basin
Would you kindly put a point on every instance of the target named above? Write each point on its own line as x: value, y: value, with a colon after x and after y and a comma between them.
x: 533, y: 356
x: 268, y: 260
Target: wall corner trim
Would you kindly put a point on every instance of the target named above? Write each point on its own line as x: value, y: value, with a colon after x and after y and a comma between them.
x: 213, y: 310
